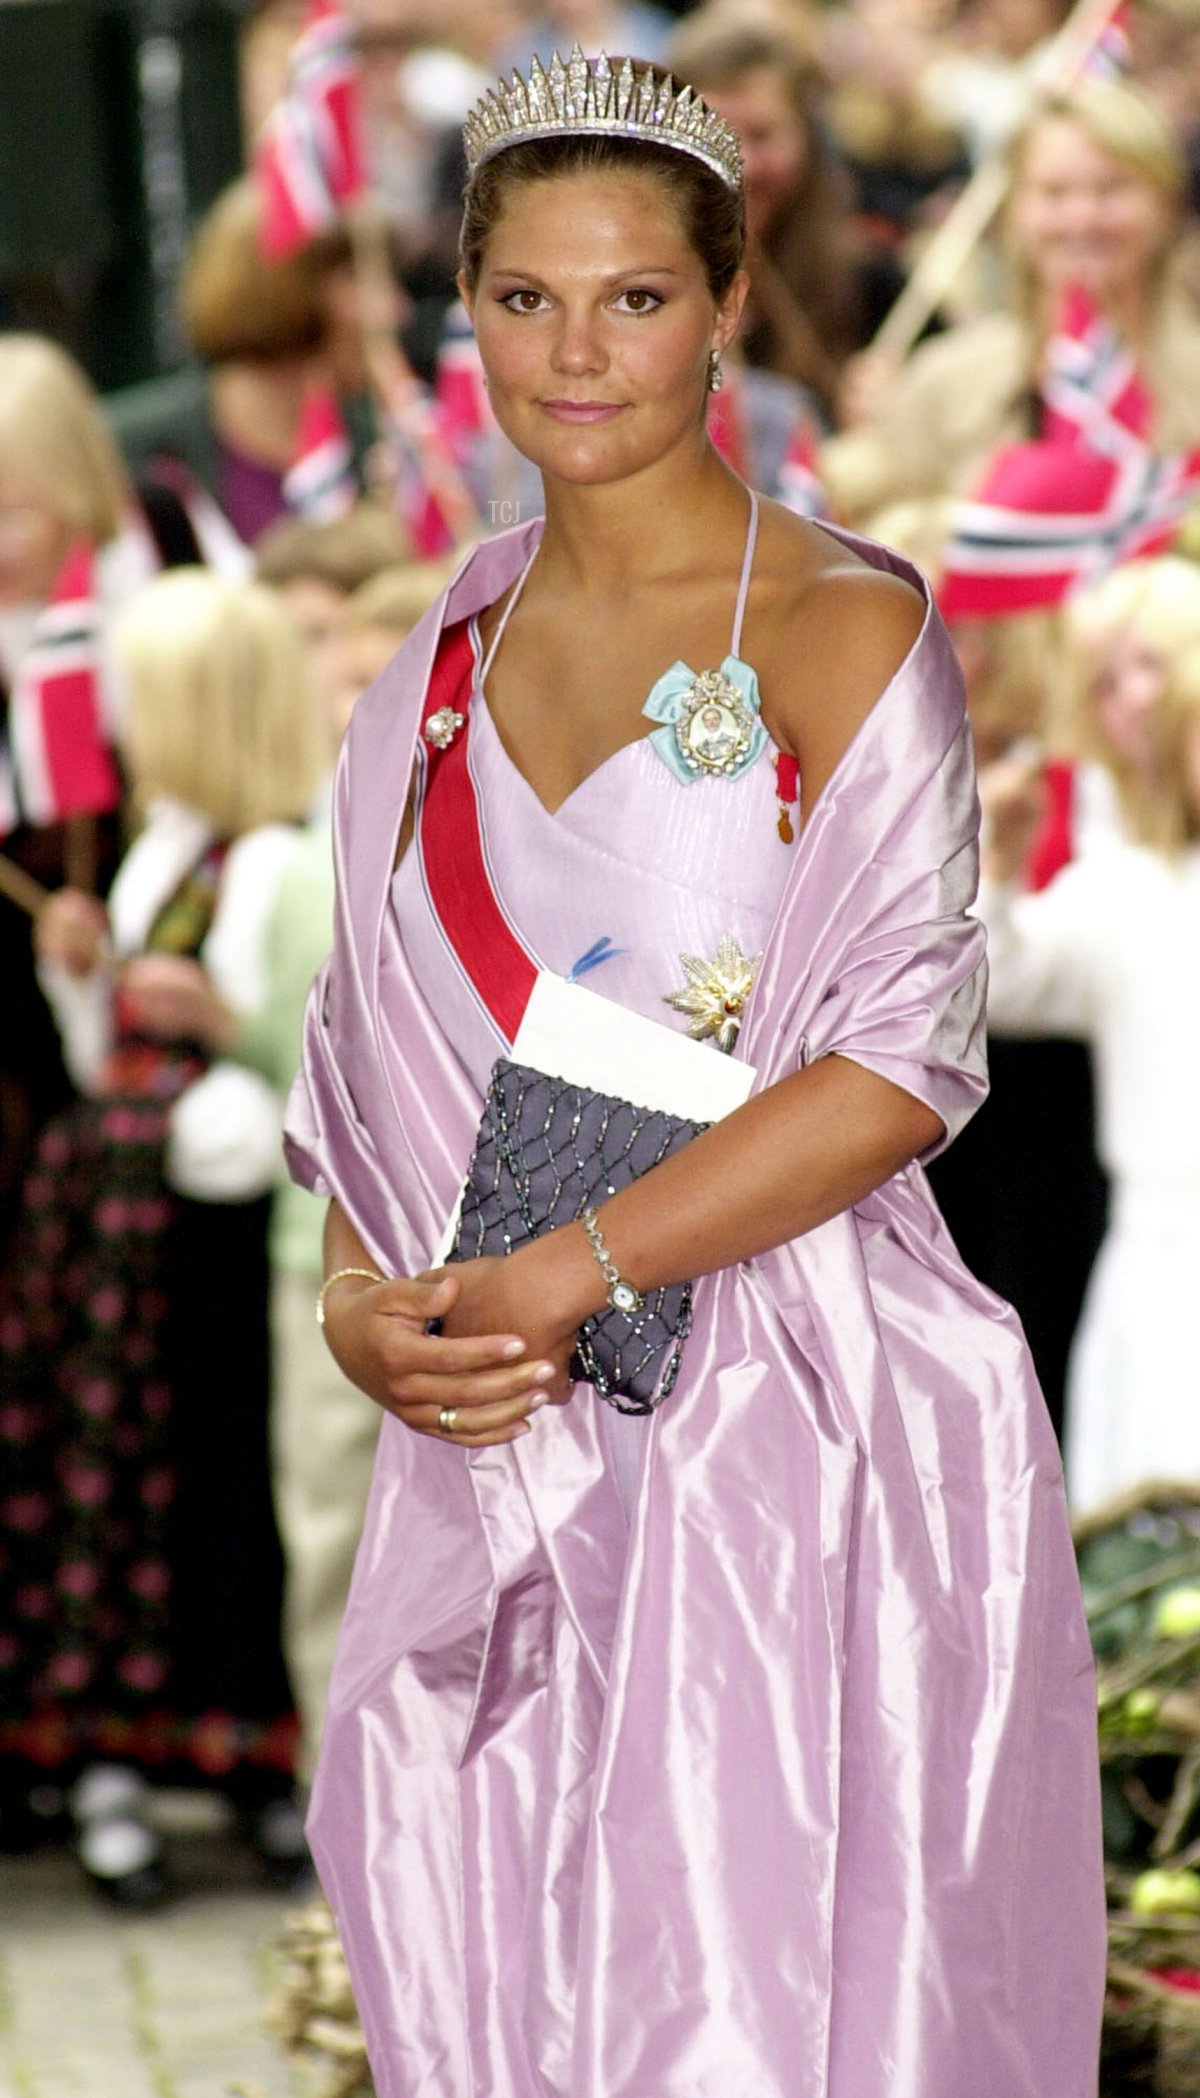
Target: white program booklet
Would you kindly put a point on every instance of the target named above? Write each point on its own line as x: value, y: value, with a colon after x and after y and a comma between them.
x: 573, y: 1034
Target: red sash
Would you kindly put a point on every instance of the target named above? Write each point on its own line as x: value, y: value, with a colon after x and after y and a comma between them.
x: 453, y: 853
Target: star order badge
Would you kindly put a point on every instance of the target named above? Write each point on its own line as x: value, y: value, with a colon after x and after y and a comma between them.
x: 715, y: 994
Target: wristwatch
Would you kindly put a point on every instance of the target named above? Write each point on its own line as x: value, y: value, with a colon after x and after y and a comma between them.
x: 622, y: 1296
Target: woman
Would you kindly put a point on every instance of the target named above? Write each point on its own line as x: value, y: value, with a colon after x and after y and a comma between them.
x: 1096, y: 204
x: 1108, y: 952
x: 725, y: 1750
x: 140, y: 1627
x: 817, y: 291
x: 226, y: 433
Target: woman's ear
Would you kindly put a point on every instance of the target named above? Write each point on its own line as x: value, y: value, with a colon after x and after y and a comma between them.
x: 464, y: 293
x: 729, y: 311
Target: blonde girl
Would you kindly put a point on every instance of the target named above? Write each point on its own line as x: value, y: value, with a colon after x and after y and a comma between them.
x: 133, y: 1345
x: 1108, y: 954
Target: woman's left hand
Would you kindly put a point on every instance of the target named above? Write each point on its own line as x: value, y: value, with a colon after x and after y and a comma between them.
x: 510, y: 1295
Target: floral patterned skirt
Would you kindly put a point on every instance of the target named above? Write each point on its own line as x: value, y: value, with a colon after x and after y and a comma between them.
x: 139, y: 1566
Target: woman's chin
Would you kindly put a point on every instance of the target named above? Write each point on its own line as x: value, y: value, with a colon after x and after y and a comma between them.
x: 1102, y: 277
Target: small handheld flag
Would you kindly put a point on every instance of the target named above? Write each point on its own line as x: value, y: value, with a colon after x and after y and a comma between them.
x: 310, y: 162
x: 319, y: 485
x: 59, y: 761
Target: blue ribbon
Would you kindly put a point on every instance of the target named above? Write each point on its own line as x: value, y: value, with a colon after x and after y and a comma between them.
x: 601, y: 951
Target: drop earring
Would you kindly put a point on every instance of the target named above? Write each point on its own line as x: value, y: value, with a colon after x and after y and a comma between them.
x: 716, y: 377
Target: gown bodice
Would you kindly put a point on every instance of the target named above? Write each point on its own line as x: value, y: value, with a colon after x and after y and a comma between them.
x: 635, y: 857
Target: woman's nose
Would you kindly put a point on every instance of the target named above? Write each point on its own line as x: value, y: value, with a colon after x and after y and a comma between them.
x: 578, y: 347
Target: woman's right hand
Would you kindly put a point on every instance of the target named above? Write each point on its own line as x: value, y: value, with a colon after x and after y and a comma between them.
x: 376, y: 1332
x: 71, y: 932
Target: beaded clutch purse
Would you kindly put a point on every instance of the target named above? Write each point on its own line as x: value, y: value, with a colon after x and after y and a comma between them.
x: 544, y: 1151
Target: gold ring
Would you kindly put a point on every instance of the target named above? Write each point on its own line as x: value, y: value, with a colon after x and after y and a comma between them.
x: 447, y: 1418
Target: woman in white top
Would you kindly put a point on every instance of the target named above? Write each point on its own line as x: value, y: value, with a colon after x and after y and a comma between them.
x: 1110, y: 953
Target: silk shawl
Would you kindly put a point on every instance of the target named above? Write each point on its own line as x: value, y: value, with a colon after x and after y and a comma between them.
x: 787, y: 1787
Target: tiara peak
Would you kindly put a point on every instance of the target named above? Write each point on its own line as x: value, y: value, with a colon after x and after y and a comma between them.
x: 583, y: 96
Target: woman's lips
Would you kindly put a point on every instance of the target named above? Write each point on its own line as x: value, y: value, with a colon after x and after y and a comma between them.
x: 582, y: 411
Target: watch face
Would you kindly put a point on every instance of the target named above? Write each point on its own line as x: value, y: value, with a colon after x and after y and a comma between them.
x: 624, y: 1297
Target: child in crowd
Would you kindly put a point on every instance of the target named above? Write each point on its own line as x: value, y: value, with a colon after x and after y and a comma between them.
x: 1108, y: 953
x: 1122, y: 633
x: 315, y: 567
x: 323, y: 1431
x: 141, y: 1620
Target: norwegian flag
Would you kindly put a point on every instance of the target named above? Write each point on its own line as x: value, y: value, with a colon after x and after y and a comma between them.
x: 433, y: 502
x: 319, y: 485
x: 464, y: 409
x: 1051, y: 516
x: 59, y: 761
x: 1092, y: 391
x: 800, y: 485
x: 1111, y: 56
x: 310, y: 161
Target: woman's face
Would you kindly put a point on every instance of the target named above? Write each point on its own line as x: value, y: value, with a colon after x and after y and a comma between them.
x: 33, y: 539
x: 594, y: 321
x: 1081, y: 216
x: 1126, y: 690
x: 773, y: 138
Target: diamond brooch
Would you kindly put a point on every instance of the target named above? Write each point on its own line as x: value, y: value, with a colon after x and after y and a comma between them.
x: 442, y: 727
x: 715, y: 994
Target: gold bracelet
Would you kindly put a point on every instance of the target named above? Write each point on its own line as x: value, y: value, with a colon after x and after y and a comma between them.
x: 340, y: 1275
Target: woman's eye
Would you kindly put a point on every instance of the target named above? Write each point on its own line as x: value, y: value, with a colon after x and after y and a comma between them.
x: 639, y: 299
x: 523, y: 300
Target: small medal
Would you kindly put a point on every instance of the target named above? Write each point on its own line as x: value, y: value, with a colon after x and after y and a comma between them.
x: 715, y: 994
x: 714, y: 725
x: 787, y: 788
x: 711, y: 725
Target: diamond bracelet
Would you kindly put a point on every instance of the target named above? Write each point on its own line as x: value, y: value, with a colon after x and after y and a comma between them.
x: 622, y: 1295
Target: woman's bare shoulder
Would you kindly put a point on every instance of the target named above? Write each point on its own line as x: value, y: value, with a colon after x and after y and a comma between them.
x: 830, y: 633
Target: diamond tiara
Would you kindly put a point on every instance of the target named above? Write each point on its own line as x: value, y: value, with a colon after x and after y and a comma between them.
x: 586, y: 95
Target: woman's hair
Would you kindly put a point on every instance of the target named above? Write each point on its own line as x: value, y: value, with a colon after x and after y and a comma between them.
x: 1172, y: 820
x: 223, y: 713
x: 710, y: 213
x: 808, y: 247
x: 714, y: 46
x: 344, y: 553
x: 52, y: 427
x: 1157, y: 602
x: 238, y: 307
x: 395, y: 598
